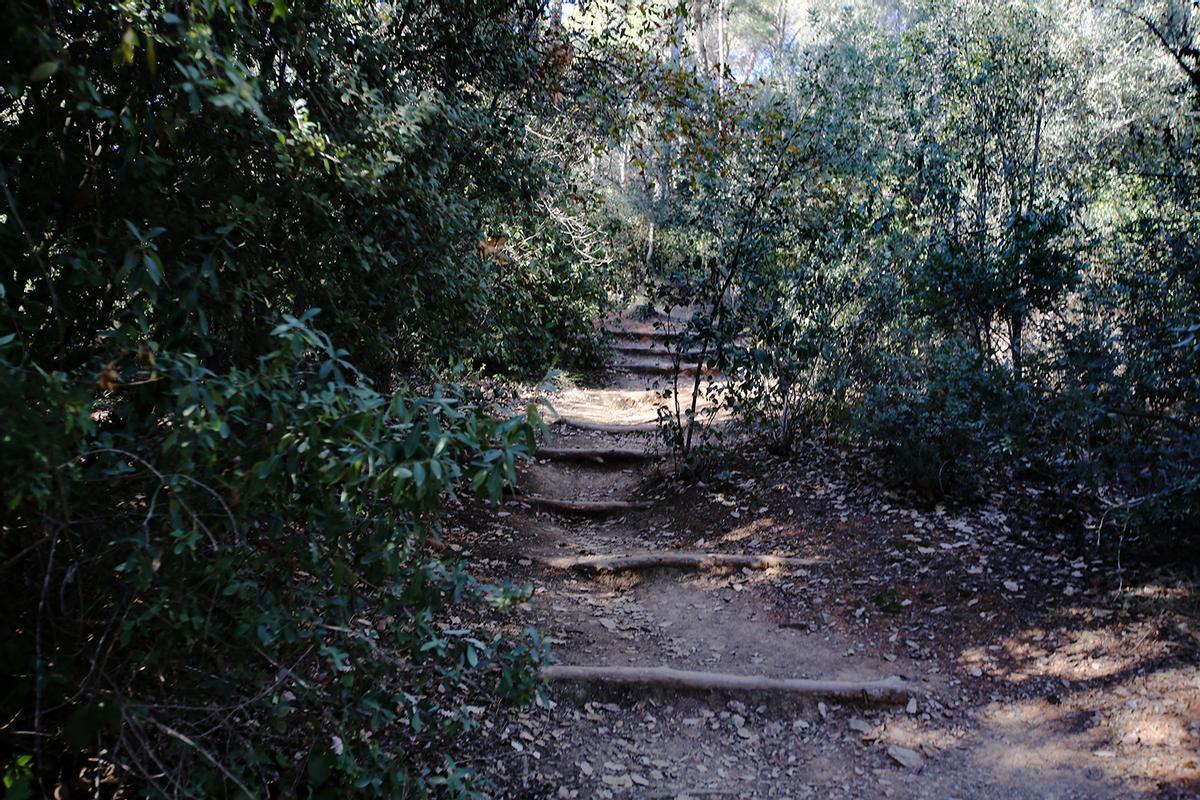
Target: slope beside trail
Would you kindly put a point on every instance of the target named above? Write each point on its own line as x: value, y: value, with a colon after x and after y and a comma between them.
x: 951, y: 740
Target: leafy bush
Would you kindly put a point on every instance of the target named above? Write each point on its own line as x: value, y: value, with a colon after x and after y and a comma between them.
x: 931, y: 416
x: 967, y: 252
x: 190, y: 169
x: 236, y: 591
x: 215, y: 523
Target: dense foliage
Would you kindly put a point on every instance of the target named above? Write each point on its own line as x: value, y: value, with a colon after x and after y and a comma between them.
x: 216, y: 497
x: 963, y: 232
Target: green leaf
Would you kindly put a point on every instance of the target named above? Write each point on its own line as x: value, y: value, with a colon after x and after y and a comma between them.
x: 151, y: 56
x: 43, y: 71
x: 124, y: 51
x: 153, y: 267
x: 320, y: 765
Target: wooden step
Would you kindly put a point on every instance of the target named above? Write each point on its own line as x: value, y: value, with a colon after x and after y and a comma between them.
x: 665, y: 360
x: 659, y: 335
x: 661, y: 369
x: 607, y: 427
x: 891, y: 690
x: 651, y: 337
x: 588, y: 507
x: 652, y: 350
x: 675, y: 559
x: 599, y: 455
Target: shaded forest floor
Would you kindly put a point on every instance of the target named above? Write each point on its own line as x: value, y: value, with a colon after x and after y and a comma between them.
x: 1042, y: 668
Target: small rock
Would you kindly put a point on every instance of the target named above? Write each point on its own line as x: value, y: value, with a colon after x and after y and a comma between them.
x: 617, y: 781
x: 860, y: 725
x: 906, y: 757
x: 911, y: 708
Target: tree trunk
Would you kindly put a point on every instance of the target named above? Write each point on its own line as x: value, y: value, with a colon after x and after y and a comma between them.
x: 722, y: 47
x: 650, y: 249
x: 701, y: 36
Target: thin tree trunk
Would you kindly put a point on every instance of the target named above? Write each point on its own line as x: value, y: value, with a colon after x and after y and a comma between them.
x: 1016, y: 327
x: 722, y: 47
x: 650, y: 249
x: 781, y: 21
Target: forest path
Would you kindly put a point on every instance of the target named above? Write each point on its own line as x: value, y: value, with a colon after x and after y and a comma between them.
x: 603, y: 741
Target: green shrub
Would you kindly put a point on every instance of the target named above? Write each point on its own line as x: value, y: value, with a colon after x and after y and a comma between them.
x: 930, y: 416
x: 214, y: 521
x: 228, y: 580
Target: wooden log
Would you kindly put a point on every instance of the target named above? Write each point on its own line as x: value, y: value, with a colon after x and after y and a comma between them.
x: 675, y: 560
x: 661, y: 369
x: 635, y: 349
x: 599, y: 455
x: 656, y: 334
x: 607, y: 427
x: 587, y: 506
x: 887, y: 690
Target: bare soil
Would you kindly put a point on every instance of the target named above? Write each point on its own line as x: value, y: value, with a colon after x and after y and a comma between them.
x: 1044, y: 668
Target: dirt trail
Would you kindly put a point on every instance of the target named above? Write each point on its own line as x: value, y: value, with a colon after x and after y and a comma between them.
x: 614, y: 742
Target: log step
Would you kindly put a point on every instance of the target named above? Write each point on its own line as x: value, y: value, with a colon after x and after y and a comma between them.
x: 659, y: 335
x: 888, y: 690
x: 675, y: 559
x: 660, y: 369
x: 607, y: 427
x: 598, y: 455
x: 651, y: 350
x: 587, y: 506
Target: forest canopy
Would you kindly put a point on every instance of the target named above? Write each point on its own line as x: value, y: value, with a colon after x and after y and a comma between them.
x: 269, y: 270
